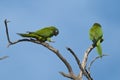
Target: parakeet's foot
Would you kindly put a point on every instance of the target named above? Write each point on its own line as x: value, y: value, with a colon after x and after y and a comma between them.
x: 49, y: 40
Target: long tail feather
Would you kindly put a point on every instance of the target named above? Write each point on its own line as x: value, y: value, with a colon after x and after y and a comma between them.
x: 99, y: 48
x: 24, y: 35
x: 28, y: 35
x: 32, y: 36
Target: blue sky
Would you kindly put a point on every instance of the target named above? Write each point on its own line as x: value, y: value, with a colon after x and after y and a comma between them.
x: 73, y: 18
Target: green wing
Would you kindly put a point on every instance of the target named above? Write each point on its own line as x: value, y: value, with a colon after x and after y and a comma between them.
x: 47, y: 32
x: 28, y: 35
x: 31, y: 35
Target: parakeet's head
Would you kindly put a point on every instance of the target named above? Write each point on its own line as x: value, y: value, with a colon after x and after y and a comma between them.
x: 55, y: 30
x: 96, y: 24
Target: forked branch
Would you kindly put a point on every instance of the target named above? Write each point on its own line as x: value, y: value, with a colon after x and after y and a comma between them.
x: 89, y: 66
x: 85, y: 58
x: 83, y: 70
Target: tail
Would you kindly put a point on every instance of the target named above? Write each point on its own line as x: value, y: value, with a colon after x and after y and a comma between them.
x: 24, y: 35
x: 99, y: 48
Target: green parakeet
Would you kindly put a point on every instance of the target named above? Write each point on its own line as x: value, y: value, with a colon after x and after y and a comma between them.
x: 43, y: 34
x: 96, y: 35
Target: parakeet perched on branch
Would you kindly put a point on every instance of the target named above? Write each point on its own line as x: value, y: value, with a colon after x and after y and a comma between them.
x: 43, y: 34
x: 96, y: 35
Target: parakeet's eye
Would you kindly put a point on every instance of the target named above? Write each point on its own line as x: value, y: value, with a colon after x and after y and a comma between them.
x: 56, y: 32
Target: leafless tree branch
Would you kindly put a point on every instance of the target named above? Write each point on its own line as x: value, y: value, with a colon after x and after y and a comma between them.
x: 4, y: 57
x: 85, y: 58
x: 71, y: 76
x: 8, y: 38
x: 89, y: 66
x: 75, y: 56
x: 79, y: 64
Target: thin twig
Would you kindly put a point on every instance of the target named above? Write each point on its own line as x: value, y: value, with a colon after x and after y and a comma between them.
x: 7, y: 30
x: 43, y: 44
x: 85, y: 72
x: 76, y: 58
x: 89, y: 66
x: 4, y: 57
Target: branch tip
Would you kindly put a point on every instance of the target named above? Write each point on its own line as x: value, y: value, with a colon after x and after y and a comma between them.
x: 89, y: 66
x: 4, y: 57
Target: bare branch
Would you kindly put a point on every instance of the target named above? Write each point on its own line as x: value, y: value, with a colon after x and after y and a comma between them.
x: 4, y: 57
x: 43, y: 44
x: 85, y: 58
x: 85, y: 72
x: 59, y: 55
x: 89, y: 66
x: 68, y: 75
x: 76, y: 58
x: 84, y: 62
x: 8, y: 38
